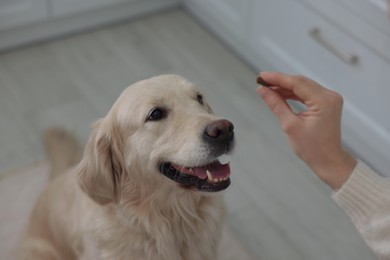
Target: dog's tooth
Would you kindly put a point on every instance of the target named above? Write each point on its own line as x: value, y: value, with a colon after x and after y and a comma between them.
x: 209, y: 177
x: 191, y: 170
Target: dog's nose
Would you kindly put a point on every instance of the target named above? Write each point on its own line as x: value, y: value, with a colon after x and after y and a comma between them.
x: 219, y: 131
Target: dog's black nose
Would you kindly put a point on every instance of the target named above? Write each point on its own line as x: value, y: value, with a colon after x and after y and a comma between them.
x: 220, y: 131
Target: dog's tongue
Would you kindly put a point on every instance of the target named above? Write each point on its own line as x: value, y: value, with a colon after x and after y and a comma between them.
x: 216, y: 169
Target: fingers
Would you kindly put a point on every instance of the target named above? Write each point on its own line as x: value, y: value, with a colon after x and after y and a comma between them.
x: 302, y: 87
x: 277, y: 104
x: 286, y: 94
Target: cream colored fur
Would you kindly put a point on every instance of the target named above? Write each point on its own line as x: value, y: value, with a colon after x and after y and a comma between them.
x: 115, y: 204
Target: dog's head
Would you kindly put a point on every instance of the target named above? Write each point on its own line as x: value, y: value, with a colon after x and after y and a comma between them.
x: 160, y: 133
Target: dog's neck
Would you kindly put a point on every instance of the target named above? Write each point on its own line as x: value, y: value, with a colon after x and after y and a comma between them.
x: 177, y: 204
x: 180, y: 223
x: 179, y: 219
x: 161, y: 199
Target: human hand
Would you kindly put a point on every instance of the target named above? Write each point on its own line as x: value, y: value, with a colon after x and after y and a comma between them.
x: 314, y: 134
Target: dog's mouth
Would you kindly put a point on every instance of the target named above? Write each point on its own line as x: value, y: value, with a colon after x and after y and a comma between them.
x: 212, y: 177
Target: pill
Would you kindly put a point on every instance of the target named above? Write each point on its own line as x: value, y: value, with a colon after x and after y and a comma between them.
x: 262, y: 82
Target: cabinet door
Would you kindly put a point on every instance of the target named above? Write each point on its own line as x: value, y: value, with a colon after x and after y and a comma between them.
x: 64, y: 7
x: 18, y: 12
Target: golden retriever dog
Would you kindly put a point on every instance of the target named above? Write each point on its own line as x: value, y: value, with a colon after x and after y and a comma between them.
x: 147, y: 186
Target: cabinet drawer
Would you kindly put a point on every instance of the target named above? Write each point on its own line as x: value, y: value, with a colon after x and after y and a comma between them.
x: 372, y: 11
x: 361, y: 19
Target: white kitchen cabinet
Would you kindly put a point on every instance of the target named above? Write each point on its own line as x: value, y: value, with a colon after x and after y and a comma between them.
x: 65, y: 7
x: 14, y: 13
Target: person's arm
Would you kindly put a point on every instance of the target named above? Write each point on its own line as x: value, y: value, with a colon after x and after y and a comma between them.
x: 315, y: 136
x: 365, y: 197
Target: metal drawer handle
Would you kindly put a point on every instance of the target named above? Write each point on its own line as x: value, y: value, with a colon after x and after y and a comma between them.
x: 348, y: 58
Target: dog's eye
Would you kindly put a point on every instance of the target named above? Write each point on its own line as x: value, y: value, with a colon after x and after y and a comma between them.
x: 199, y: 97
x: 156, y: 114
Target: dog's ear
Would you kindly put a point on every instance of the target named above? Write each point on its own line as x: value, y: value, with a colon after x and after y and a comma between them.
x: 101, y: 169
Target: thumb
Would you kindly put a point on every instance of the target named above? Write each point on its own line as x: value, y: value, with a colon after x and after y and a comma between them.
x: 276, y: 103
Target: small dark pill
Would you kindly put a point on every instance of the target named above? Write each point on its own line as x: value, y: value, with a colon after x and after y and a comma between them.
x: 262, y: 82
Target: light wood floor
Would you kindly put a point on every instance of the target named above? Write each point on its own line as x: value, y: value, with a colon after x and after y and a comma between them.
x: 276, y: 205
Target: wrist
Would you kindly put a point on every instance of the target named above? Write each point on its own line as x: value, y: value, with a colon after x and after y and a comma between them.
x: 336, y: 171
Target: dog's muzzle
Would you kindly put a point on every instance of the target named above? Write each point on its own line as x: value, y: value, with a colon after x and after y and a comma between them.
x: 211, y: 177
